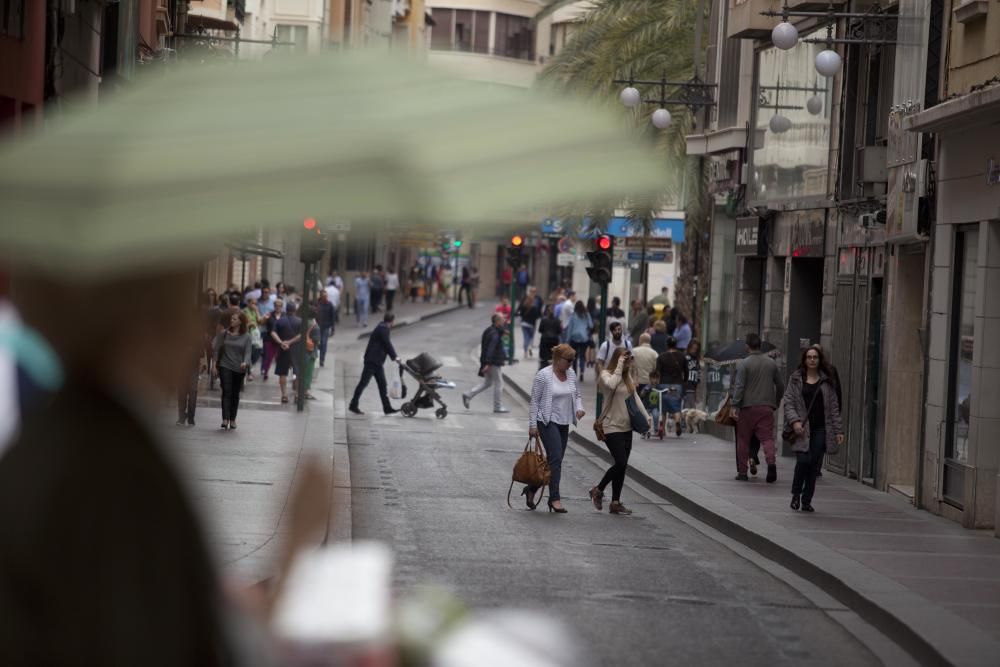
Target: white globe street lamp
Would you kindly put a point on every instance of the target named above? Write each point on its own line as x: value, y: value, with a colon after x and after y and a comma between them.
x: 661, y: 119
x: 814, y: 105
x: 630, y: 97
x: 779, y: 124
x: 828, y: 62
x: 785, y: 36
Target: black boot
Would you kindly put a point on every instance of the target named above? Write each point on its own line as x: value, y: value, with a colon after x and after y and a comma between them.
x: 772, y: 473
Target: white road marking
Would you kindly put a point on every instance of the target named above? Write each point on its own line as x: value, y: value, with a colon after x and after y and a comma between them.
x: 507, y: 425
x: 451, y: 362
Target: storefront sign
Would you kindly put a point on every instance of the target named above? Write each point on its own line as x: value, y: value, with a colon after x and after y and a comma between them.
x: 565, y: 259
x: 749, y: 240
x: 632, y: 242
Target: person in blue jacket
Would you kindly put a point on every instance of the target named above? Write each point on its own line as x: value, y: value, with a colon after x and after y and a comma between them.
x: 578, y: 335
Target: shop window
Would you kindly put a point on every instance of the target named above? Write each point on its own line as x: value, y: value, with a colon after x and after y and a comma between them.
x: 963, y: 344
x: 792, y: 163
x: 514, y: 37
x: 461, y: 30
x: 299, y: 34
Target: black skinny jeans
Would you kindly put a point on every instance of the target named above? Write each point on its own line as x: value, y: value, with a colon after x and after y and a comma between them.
x: 581, y: 357
x: 807, y: 465
x: 620, y: 446
x: 232, y: 384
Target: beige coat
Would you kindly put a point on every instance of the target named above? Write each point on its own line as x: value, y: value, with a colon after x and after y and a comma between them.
x: 616, y: 419
x: 645, y: 362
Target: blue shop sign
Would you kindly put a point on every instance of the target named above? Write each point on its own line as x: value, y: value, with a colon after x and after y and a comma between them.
x: 672, y: 228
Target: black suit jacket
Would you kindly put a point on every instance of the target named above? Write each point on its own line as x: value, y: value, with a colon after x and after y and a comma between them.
x: 379, y: 346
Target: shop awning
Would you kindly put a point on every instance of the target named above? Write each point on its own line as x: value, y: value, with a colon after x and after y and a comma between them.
x: 196, y: 21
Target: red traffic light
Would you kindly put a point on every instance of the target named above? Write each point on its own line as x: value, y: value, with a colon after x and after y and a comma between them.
x: 309, y: 223
x: 517, y: 241
x: 604, y: 242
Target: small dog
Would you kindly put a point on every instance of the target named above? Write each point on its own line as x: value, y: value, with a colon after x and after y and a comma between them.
x: 693, y: 419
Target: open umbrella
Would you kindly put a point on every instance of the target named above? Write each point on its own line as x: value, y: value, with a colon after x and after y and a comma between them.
x: 732, y: 352
x: 204, y: 152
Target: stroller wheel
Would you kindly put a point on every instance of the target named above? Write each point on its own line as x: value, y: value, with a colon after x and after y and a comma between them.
x: 408, y: 409
x: 441, y: 413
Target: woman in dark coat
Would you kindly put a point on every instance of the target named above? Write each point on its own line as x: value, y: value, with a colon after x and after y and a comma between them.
x: 549, y: 331
x: 812, y: 412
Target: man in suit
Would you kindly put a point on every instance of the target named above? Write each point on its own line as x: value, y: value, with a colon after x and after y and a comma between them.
x: 379, y: 347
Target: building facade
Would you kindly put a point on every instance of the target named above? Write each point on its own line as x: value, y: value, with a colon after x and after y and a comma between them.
x: 961, y: 431
x: 865, y: 218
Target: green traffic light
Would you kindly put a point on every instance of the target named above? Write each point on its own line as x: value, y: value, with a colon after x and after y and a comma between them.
x: 457, y: 243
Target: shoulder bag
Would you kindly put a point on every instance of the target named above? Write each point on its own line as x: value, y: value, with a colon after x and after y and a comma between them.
x: 599, y: 422
x: 531, y: 467
x: 725, y: 414
x: 788, y: 434
x: 636, y: 418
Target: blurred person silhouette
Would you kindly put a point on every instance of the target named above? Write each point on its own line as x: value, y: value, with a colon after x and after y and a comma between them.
x: 104, y: 560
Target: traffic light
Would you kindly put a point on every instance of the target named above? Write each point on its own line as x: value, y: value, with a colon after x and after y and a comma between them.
x: 601, y: 258
x: 457, y: 243
x: 313, y: 242
x: 515, y: 256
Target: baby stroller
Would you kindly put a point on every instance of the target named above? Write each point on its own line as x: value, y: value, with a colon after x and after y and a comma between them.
x: 422, y: 368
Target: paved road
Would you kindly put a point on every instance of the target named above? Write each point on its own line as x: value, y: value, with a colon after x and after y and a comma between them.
x: 643, y: 590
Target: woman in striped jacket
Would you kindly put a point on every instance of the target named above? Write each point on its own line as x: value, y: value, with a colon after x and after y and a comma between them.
x: 555, y: 404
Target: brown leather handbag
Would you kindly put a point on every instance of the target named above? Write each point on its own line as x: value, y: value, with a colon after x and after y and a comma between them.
x: 532, y: 468
x: 725, y: 414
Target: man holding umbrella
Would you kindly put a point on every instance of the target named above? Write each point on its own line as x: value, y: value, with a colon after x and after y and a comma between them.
x: 757, y: 390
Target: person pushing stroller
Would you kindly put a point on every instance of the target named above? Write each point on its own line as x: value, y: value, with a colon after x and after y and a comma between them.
x: 379, y: 347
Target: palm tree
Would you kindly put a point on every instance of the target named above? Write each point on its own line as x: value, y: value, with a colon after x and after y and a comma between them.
x: 646, y: 40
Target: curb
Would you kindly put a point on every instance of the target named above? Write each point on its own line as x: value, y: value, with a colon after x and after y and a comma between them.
x: 413, y: 320
x: 901, y: 615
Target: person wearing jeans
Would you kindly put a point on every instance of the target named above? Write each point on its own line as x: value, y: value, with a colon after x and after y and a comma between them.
x: 491, y: 359
x: 578, y: 334
x: 270, y: 347
x: 757, y: 391
x: 232, y: 349
x: 616, y: 385
x: 555, y: 404
x: 362, y: 294
x: 325, y: 318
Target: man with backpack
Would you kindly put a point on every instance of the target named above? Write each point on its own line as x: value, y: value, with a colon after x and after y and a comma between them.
x: 608, y: 347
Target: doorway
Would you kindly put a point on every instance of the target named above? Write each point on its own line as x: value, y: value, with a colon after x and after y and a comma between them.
x: 805, y: 314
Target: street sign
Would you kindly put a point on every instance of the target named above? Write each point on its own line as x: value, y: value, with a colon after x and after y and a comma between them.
x: 628, y: 255
x: 658, y: 242
x: 565, y: 245
x: 337, y: 227
x: 565, y: 259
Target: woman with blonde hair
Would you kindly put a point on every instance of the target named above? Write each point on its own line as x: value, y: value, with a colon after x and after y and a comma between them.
x: 617, y: 386
x: 555, y: 405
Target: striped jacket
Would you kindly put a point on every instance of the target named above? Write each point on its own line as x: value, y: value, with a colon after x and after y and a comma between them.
x: 541, y: 396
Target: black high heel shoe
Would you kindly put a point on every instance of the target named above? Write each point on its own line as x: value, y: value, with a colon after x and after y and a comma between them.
x: 557, y: 510
x: 528, y: 497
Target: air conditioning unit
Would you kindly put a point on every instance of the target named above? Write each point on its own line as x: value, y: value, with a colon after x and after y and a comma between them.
x: 872, y: 220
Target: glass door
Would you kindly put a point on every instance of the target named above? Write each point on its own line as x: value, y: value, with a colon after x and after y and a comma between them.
x: 962, y: 345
